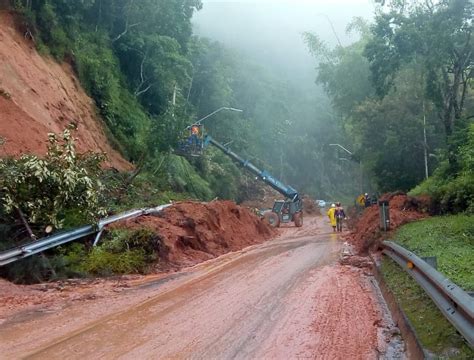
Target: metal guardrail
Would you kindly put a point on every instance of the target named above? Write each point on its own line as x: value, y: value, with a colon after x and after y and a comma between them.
x: 21, y: 252
x: 456, y: 304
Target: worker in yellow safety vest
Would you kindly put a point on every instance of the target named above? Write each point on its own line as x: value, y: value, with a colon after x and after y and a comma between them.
x: 332, y: 216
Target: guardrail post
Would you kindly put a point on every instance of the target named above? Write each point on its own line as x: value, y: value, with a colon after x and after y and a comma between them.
x: 431, y: 260
x: 384, y: 215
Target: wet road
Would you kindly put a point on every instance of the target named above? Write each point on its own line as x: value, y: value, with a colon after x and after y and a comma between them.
x: 286, y: 298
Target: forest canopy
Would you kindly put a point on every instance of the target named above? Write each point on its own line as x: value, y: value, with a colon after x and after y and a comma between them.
x: 400, y: 96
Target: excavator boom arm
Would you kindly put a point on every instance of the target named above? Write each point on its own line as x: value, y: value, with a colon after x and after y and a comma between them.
x: 265, y: 176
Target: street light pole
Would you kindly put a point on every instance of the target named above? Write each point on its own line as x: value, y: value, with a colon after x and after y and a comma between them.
x: 342, y: 147
x: 360, y: 164
x: 215, y: 112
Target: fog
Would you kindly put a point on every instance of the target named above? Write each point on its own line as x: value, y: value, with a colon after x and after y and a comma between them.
x: 269, y: 32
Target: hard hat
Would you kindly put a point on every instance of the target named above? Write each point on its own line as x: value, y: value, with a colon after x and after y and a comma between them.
x: 333, y: 205
x: 366, y: 194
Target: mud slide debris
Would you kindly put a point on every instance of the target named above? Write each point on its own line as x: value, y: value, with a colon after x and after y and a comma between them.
x: 192, y: 232
x: 42, y: 96
x: 367, y: 235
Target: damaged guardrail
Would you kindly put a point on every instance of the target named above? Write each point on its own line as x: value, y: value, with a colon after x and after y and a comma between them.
x: 456, y: 304
x: 37, y: 246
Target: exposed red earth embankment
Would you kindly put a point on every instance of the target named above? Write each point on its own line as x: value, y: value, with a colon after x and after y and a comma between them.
x: 366, y: 234
x: 193, y: 232
x: 38, y: 96
x: 190, y: 232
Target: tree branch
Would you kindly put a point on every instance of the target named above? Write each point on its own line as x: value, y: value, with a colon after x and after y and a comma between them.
x: 138, y: 93
x: 127, y: 27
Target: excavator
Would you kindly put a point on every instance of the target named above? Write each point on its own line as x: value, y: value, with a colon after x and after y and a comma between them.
x: 284, y: 211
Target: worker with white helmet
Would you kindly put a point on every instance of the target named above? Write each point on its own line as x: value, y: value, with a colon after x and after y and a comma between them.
x: 366, y: 200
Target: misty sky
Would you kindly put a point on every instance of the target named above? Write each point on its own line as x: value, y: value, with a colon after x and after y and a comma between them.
x: 269, y: 31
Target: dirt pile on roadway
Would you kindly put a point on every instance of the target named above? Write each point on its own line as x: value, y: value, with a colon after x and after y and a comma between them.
x: 192, y: 232
x: 367, y: 235
x: 57, y: 294
x: 309, y: 206
x: 260, y: 196
x: 38, y: 96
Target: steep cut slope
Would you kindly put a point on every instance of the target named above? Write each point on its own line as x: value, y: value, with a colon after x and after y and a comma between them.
x: 38, y: 95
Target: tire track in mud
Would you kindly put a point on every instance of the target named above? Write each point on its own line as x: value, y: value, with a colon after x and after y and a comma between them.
x: 338, y: 320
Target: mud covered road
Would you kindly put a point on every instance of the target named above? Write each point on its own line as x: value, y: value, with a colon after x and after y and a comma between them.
x: 286, y: 298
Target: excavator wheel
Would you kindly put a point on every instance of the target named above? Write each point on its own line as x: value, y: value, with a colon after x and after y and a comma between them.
x: 298, y: 219
x: 272, y: 218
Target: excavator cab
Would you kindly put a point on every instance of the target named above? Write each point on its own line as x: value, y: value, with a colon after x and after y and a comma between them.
x: 192, y: 144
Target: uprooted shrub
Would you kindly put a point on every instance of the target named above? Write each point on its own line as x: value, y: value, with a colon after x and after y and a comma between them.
x: 60, y: 189
x: 124, y: 252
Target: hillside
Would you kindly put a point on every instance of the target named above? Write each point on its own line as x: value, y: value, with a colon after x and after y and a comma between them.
x: 38, y: 96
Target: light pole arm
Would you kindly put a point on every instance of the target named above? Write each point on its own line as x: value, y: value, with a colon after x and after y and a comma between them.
x: 215, y: 112
x: 342, y: 147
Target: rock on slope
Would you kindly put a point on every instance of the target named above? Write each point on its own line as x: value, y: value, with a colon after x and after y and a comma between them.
x: 38, y: 95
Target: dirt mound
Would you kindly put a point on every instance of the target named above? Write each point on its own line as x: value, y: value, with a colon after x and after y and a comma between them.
x: 7, y: 287
x: 38, y: 95
x: 192, y: 232
x: 309, y: 206
x: 366, y: 233
x: 261, y: 196
x: 56, y: 294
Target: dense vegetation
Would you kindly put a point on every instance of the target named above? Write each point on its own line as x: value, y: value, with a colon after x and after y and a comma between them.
x: 404, y: 95
x: 150, y: 77
x: 450, y: 238
x: 400, y: 97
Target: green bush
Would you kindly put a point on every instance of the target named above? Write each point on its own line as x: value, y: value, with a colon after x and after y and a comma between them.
x: 104, y: 263
x: 182, y: 177
x: 34, y: 269
x: 453, y: 193
x: 457, y: 195
x: 449, y: 238
x: 124, y: 252
x: 68, y: 261
x: 427, y: 187
x: 52, y: 189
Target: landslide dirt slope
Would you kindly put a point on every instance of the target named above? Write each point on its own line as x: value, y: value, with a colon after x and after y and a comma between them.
x: 367, y: 235
x: 38, y: 95
x: 192, y: 232
x: 189, y: 233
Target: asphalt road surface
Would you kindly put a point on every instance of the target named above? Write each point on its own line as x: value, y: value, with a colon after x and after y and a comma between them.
x: 287, y: 298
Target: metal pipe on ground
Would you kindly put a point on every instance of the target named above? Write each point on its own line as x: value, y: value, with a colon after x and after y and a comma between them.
x: 21, y: 252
